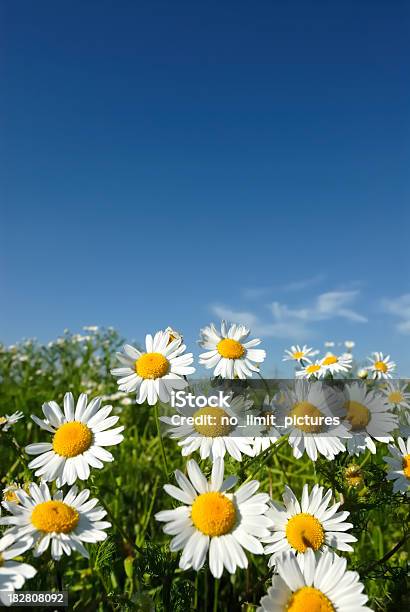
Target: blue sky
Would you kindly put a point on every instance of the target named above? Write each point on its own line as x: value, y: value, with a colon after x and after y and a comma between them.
x: 175, y: 163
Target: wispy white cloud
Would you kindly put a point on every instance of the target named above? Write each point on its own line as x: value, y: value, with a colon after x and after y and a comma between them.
x: 305, y: 283
x: 247, y: 318
x: 288, y: 322
x: 336, y: 304
x: 277, y: 329
x: 255, y: 293
x: 400, y: 308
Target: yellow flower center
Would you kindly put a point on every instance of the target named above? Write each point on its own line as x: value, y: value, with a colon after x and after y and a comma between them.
x: 212, y: 422
x: 72, y: 439
x: 312, y: 368
x: 3, y: 420
x: 353, y: 476
x: 230, y: 349
x: 213, y: 513
x: 152, y: 365
x: 381, y: 366
x: 304, y: 531
x: 310, y: 414
x: 358, y: 415
x: 330, y: 360
x: 309, y: 599
x: 54, y: 516
x: 298, y: 355
x: 395, y: 397
x: 406, y: 466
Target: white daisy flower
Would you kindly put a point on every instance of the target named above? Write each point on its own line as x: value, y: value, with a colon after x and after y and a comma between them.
x: 13, y: 574
x: 157, y: 372
x: 396, y: 394
x: 9, y: 420
x: 308, y: 583
x: 228, y: 352
x: 399, y: 462
x: 316, y: 410
x: 311, y: 371
x: 381, y: 367
x: 64, y: 522
x: 369, y: 417
x: 216, y: 521
x: 311, y: 524
x: 363, y: 373
x: 337, y: 363
x: 215, y: 430
x: 298, y: 353
x: 271, y: 434
x: 79, y: 438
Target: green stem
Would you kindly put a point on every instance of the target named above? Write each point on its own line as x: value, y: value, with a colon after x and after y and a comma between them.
x: 265, y: 384
x: 196, y: 591
x: 161, y: 442
x: 59, y: 576
x: 386, y: 556
x: 105, y: 589
x: 216, y: 593
x: 273, y: 450
x: 11, y: 471
x: 149, y: 512
x: 366, y: 459
x: 119, y: 527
